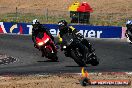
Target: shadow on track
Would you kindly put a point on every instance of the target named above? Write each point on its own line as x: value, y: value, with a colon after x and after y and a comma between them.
x: 130, y: 58
x: 76, y: 66
x: 48, y: 61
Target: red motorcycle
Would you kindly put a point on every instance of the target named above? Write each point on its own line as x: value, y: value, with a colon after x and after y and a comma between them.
x: 45, y: 44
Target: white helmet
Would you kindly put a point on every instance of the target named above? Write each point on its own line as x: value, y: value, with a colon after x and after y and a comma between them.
x: 129, y: 22
x: 35, y: 21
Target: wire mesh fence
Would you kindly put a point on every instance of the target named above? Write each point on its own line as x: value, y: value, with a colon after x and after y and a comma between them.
x: 53, y: 16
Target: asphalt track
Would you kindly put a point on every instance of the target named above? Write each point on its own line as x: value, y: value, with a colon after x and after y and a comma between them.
x: 115, y: 56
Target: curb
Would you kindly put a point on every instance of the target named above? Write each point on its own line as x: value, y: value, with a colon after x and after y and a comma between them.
x: 102, y: 73
x: 9, y: 76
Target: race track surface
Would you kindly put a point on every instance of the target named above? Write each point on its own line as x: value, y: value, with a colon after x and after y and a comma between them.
x: 115, y: 56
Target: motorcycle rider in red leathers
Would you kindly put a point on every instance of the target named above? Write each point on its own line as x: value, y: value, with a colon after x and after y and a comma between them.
x: 37, y: 27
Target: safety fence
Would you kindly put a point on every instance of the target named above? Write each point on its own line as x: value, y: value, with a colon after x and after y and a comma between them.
x: 86, y: 30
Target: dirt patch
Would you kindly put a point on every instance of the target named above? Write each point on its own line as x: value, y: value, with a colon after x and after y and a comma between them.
x: 4, y: 59
x: 57, y: 81
x: 3, y: 56
x: 99, y: 6
x: 106, y: 12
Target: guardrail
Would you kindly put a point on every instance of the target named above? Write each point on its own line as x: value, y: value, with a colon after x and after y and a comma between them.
x: 86, y: 30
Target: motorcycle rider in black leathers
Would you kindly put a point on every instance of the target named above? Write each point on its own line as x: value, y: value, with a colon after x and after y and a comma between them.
x: 64, y: 28
x: 129, y: 25
x: 37, y: 27
x: 129, y: 29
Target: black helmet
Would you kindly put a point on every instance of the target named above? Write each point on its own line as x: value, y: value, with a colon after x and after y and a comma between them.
x: 62, y: 23
x: 129, y: 24
x: 35, y: 21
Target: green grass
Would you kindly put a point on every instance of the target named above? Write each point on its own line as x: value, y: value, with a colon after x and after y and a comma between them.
x: 103, y: 20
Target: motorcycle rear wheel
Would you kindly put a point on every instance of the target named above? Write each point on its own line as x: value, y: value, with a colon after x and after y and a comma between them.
x: 94, y: 62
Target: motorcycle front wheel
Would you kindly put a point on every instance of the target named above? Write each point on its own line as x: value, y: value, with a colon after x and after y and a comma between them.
x: 50, y: 55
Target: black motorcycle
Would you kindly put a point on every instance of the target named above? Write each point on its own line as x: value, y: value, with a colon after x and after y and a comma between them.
x: 129, y: 36
x: 74, y: 48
